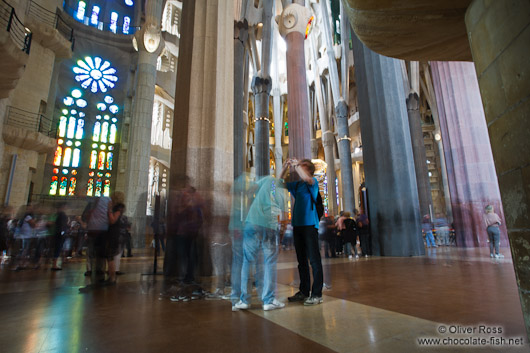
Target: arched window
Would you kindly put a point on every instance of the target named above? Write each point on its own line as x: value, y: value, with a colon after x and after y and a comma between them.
x: 53, y: 185
x: 62, y: 126
x: 76, y: 158
x: 62, y: 186
x: 97, y: 131
x: 71, y: 189
x: 58, y: 154
x: 67, y: 157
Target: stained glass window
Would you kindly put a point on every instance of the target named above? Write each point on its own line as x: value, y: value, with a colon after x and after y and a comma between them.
x: 109, y: 160
x: 58, y: 154
x: 71, y: 128
x: 97, y: 130
x: 62, y: 126
x: 106, y: 188
x: 76, y: 158
x: 129, y: 2
x: 113, y: 21
x: 95, y: 15
x: 81, y: 10
x: 81, y: 103
x: 93, y: 159
x: 53, y: 185
x: 71, y: 189
x: 79, y: 131
x: 90, y: 187
x: 104, y: 131
x: 113, y: 130
x: 98, y: 187
x: 113, y: 109
x: 68, y: 101
x: 126, y: 24
x: 76, y: 93
x: 62, y: 186
x: 67, y: 157
x: 109, y: 99
x: 101, y: 160
x: 94, y: 74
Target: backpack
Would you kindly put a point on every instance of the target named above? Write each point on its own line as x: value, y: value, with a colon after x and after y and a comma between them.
x: 317, y: 203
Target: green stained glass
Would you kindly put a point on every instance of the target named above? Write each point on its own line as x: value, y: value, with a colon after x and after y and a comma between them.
x: 80, y: 128
x: 62, y: 126
x: 98, y: 188
x: 53, y: 185
x: 97, y: 131
x: 62, y: 186
x: 113, y: 130
x: 90, y: 187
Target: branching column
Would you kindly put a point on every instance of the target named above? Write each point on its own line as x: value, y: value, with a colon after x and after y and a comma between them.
x: 240, y: 37
x: 261, y: 87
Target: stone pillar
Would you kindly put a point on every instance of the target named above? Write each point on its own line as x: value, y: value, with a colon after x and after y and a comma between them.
x: 202, y: 147
x: 469, y: 162
x: 261, y: 87
x: 499, y: 34
x: 420, y: 158
x: 139, y: 149
x: 388, y: 157
x: 296, y: 18
x: 240, y: 38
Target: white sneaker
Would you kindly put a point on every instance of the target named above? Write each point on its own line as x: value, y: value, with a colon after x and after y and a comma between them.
x: 242, y: 306
x: 492, y: 256
x: 350, y: 257
x: 276, y: 304
x: 356, y: 256
x: 499, y: 256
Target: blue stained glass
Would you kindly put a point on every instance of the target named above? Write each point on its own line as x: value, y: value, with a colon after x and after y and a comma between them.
x: 81, y: 10
x: 68, y: 101
x: 113, y: 21
x: 95, y: 74
x: 81, y: 103
x: 95, y: 15
x: 129, y: 2
x: 126, y: 24
x: 113, y: 109
x: 109, y: 99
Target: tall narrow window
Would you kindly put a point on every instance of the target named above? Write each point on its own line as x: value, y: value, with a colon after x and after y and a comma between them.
x: 76, y: 158
x: 97, y: 130
x: 71, y: 128
x: 101, y: 160
x: 62, y: 126
x: 113, y: 130
x: 71, y: 189
x: 113, y: 21
x: 106, y: 188
x: 109, y: 160
x: 81, y: 10
x: 98, y: 187
x: 79, y: 131
x: 62, y: 186
x: 53, y: 185
x: 126, y: 24
x: 93, y: 159
x: 67, y: 157
x: 94, y: 16
x: 90, y: 187
x: 58, y: 154
x: 104, y: 131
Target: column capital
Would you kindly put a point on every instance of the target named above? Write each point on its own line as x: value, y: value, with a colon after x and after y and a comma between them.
x: 261, y: 84
x: 294, y: 18
x: 341, y: 109
x: 149, y: 39
x: 241, y: 31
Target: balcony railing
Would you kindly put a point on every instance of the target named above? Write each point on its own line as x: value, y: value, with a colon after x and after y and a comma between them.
x: 20, y: 35
x: 30, y: 121
x: 52, y: 19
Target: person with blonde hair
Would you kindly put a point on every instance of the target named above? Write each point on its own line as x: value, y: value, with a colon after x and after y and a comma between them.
x: 493, y: 221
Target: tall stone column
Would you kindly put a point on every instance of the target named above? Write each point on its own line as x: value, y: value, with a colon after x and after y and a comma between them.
x: 202, y: 150
x: 139, y: 150
x: 261, y: 87
x: 418, y: 149
x: 499, y: 33
x: 469, y: 162
x: 240, y: 37
x: 292, y: 27
x: 388, y: 157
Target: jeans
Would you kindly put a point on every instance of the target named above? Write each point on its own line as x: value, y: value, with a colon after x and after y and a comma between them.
x: 348, y: 248
x: 442, y: 233
x: 306, y: 245
x: 220, y: 253
x: 237, y: 263
x: 494, y: 236
x: 429, y: 238
x: 256, y: 238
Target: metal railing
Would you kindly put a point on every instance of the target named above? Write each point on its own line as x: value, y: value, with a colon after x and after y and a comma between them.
x: 52, y: 19
x: 20, y: 35
x: 30, y: 121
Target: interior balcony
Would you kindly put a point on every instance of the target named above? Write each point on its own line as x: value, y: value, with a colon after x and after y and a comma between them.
x: 15, y: 43
x: 50, y: 30
x: 29, y: 131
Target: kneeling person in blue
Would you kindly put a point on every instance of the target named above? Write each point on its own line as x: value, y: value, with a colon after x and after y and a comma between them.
x: 305, y: 228
x: 260, y: 235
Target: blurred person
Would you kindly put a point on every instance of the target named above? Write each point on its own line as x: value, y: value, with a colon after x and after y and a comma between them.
x: 442, y: 230
x: 493, y: 221
x: 305, y: 225
x: 426, y: 226
x: 25, y: 235
x: 349, y: 235
x: 288, y: 237
x: 260, y: 237
x: 159, y: 229
x: 116, y: 208
x: 97, y: 219
x: 124, y: 226
x: 60, y: 228
x: 363, y: 225
x: 329, y: 237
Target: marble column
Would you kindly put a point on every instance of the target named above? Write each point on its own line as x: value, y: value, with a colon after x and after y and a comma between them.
x: 469, y: 161
x: 139, y: 149
x: 499, y: 33
x: 202, y: 150
x: 418, y: 149
x: 297, y: 99
x: 240, y: 37
x: 388, y: 157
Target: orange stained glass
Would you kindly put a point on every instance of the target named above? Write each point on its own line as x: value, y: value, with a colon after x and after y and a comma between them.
x: 67, y: 157
x: 90, y: 187
x: 97, y: 131
x: 93, y: 159
x: 62, y: 126
x: 62, y: 186
x: 101, y: 160
x: 53, y: 185
x: 58, y: 154
x: 98, y: 187
x: 109, y: 160
x: 104, y: 131
x: 71, y: 189
x: 106, y: 188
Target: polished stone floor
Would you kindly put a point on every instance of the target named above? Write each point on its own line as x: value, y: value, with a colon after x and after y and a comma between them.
x: 375, y: 304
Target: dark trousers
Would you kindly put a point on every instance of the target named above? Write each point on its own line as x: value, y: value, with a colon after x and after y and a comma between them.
x: 187, y: 255
x: 366, y: 243
x: 307, y: 247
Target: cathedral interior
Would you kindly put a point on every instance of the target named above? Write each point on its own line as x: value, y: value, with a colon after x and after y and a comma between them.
x: 407, y: 110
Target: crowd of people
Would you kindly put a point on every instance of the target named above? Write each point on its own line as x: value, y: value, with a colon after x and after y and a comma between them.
x: 42, y: 237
